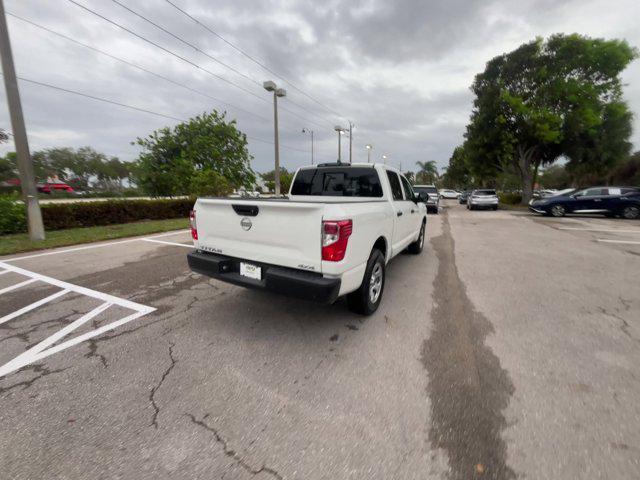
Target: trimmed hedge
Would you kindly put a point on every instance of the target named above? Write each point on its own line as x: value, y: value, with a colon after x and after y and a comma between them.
x: 59, y: 216
x: 510, y: 198
x: 89, y: 214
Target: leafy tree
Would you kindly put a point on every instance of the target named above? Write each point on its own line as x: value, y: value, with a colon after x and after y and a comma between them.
x: 544, y: 100
x: 410, y: 176
x: 457, y: 174
x: 172, y: 157
x: 286, y: 177
x: 427, y: 173
x: 8, y: 166
x: 207, y: 183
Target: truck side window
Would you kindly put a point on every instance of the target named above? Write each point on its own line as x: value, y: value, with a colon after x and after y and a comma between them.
x: 408, y: 189
x: 396, y: 189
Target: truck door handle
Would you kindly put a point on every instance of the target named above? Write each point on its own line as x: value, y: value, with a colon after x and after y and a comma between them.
x: 399, y: 214
x: 413, y: 211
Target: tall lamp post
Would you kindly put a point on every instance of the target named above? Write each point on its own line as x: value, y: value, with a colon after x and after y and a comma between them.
x: 306, y: 130
x: 340, y: 131
x: 369, y: 147
x: 270, y: 86
x: 384, y: 159
x: 351, y: 125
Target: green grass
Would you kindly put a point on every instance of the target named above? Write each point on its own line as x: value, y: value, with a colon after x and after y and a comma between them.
x: 505, y: 206
x: 59, y: 238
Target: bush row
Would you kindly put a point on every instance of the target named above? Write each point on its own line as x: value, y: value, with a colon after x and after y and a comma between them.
x: 510, y: 198
x: 89, y: 214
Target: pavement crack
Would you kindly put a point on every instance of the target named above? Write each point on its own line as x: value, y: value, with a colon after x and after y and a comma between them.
x: 231, y: 453
x: 152, y: 399
x: 467, y: 387
x: 38, y: 368
x: 93, y: 348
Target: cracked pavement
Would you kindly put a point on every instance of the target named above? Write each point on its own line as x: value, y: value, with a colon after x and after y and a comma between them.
x: 508, y: 349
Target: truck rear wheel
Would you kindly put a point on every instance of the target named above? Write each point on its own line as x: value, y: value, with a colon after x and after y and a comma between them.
x: 366, y: 299
x: 417, y: 246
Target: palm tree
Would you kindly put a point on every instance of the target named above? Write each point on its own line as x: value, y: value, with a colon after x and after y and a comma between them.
x: 428, y: 171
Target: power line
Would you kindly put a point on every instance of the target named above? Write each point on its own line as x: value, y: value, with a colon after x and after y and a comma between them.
x: 132, y: 107
x: 198, y: 49
x: 167, y: 50
x: 131, y: 64
x: 189, y: 44
x: 184, y: 59
x: 261, y: 64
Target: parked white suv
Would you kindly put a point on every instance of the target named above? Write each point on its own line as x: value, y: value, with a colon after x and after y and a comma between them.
x: 332, y: 236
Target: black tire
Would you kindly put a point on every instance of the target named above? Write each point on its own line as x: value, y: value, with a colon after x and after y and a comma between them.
x: 495, y: 208
x: 558, y: 211
x: 470, y: 207
x: 360, y: 301
x: 416, y: 247
x: 631, y: 212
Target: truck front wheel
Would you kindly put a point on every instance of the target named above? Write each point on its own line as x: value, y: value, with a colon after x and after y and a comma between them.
x: 366, y: 299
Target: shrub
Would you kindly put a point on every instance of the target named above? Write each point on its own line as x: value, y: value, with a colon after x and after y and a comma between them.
x: 209, y: 183
x: 88, y: 214
x: 12, y: 214
x: 510, y: 198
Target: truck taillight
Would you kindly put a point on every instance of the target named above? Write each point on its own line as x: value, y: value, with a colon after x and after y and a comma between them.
x: 194, y: 225
x: 335, y: 235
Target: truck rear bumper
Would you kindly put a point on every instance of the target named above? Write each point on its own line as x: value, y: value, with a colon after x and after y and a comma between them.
x: 288, y: 281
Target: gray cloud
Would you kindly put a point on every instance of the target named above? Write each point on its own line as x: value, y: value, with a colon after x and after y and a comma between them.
x: 400, y: 70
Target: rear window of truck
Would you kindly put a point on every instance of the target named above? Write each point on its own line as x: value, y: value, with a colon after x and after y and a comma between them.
x: 337, y: 182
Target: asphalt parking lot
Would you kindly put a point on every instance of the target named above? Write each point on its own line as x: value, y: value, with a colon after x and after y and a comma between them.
x: 509, y: 349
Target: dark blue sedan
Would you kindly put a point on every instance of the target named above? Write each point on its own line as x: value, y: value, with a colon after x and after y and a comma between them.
x: 608, y: 201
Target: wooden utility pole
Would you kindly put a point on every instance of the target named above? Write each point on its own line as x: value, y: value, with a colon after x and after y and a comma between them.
x: 25, y: 165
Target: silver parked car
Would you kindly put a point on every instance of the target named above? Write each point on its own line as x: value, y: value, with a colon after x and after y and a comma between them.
x: 485, y: 198
x: 433, y: 200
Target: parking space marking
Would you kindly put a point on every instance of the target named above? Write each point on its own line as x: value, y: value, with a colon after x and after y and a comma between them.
x: 4, y: 271
x: 626, y: 242
x: 599, y: 230
x: 45, y: 348
x: 87, y: 247
x: 18, y: 285
x: 32, y: 306
x: 168, y: 243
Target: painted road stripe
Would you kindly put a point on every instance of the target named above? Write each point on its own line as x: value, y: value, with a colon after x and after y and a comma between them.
x: 105, y: 297
x: 4, y: 271
x: 168, y: 243
x: 32, y: 306
x: 87, y: 247
x: 18, y: 285
x: 599, y: 230
x: 31, y: 355
x: 625, y: 242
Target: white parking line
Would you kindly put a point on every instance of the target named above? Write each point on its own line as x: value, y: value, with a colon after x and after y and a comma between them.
x: 18, y: 285
x: 45, y: 348
x: 626, y: 242
x: 87, y: 247
x: 168, y: 243
x: 599, y: 230
x: 3, y: 272
x: 32, y: 306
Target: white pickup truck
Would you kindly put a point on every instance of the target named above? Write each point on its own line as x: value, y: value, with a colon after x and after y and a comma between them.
x: 332, y: 236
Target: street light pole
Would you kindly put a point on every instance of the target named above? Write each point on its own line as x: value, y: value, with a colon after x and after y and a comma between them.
x: 306, y: 130
x: 340, y: 131
x: 25, y: 164
x: 270, y: 86
x: 368, y: 147
x: 384, y: 159
x: 351, y: 125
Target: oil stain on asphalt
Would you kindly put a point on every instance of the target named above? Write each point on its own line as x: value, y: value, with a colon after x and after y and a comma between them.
x: 468, y: 388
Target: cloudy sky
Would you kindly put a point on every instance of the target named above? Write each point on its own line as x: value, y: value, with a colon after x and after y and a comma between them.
x: 400, y: 70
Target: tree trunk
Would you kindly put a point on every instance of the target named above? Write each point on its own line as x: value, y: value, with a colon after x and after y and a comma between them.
x: 525, y: 156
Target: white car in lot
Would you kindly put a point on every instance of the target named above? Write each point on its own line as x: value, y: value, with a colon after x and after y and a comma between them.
x: 485, y: 198
x: 449, y: 194
x: 332, y: 236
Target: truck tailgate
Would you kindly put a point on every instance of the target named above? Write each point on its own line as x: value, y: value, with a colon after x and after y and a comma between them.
x: 278, y: 232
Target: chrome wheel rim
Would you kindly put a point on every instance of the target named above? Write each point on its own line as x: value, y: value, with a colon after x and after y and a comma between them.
x: 557, y: 211
x: 631, y: 213
x: 375, y: 283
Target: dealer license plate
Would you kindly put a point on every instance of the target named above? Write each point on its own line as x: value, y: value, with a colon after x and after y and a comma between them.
x: 251, y: 271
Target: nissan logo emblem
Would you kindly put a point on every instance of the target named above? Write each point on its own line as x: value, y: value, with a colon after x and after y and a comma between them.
x: 245, y: 223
